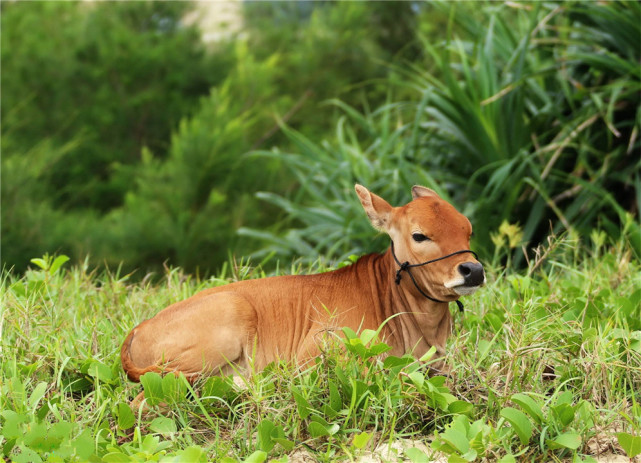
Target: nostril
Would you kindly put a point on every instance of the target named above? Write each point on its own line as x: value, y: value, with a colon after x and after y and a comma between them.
x: 472, y: 273
x: 465, y: 270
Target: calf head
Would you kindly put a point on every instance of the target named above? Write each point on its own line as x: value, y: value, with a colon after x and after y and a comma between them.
x: 428, y: 234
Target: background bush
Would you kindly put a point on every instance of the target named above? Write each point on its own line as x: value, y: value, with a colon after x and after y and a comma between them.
x: 85, y: 88
x: 113, y: 77
x: 124, y: 138
x: 528, y: 116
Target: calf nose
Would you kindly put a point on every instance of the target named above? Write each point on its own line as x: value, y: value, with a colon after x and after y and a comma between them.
x: 472, y: 273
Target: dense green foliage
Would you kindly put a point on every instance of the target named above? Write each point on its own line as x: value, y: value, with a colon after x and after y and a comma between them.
x: 527, y: 116
x: 126, y: 140
x: 104, y: 80
x: 545, y: 365
x: 85, y: 88
x: 114, y: 185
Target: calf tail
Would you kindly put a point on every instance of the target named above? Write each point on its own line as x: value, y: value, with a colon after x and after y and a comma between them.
x: 133, y: 372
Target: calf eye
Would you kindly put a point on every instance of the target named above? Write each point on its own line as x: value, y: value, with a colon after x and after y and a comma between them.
x: 418, y: 237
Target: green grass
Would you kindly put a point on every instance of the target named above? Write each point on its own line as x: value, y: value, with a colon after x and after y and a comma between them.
x: 545, y: 366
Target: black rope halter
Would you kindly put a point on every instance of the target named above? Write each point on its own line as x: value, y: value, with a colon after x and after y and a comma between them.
x: 406, y: 266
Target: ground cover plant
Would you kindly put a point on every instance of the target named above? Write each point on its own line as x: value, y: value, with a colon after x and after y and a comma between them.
x: 545, y: 366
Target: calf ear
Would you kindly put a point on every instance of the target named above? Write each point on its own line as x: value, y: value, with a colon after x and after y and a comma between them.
x: 423, y: 192
x: 378, y: 210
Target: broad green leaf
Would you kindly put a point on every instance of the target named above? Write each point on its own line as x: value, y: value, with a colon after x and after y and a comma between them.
x: 378, y: 349
x: 264, y: 430
x: 193, y: 454
x: 320, y: 419
x: 217, y: 386
x: 152, y: 384
x: 335, y: 400
x: 564, y: 413
x: 564, y: 397
x: 395, y: 362
x: 416, y: 455
x: 329, y: 411
x: 350, y: 334
x: 36, y: 437
x: 150, y: 443
x: 356, y: 346
x: 460, y: 407
x: 126, y: 418
x: 39, y: 262
x: 35, y: 287
x: 482, y: 349
x: 57, y: 263
x: 26, y: 455
x: 590, y: 333
x: 173, y: 387
x: 301, y: 403
x: 83, y: 445
x: 257, y: 457
x: 529, y: 405
x: 495, y: 321
x: 477, y: 441
x: 577, y: 459
x: 360, y: 440
x: 462, y: 424
x: 520, y: 423
x: 37, y: 394
x: 470, y: 455
x: 456, y: 439
x: 285, y: 443
x: 8, y: 445
x: 367, y: 336
x: 417, y: 378
x: 100, y: 371
x: 478, y: 427
x: 630, y: 444
x: 116, y: 457
x: 168, y: 383
x: 59, y: 432
x: 428, y: 355
x: 454, y: 458
x: 163, y: 425
x: 442, y: 399
x: 437, y: 381
x: 566, y: 440
x: 317, y: 429
x: 333, y: 429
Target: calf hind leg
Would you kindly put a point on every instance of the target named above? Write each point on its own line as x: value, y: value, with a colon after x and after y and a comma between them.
x: 204, y: 335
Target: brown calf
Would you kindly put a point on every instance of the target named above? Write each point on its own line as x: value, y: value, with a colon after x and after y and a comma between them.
x: 280, y: 318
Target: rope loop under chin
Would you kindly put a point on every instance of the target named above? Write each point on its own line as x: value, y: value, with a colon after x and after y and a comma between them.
x: 406, y: 266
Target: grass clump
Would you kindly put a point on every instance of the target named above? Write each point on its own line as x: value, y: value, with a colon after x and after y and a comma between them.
x: 545, y: 366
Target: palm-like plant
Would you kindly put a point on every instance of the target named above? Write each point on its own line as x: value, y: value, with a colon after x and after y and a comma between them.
x: 528, y: 113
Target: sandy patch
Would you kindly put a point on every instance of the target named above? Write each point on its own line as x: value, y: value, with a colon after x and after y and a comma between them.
x: 216, y: 20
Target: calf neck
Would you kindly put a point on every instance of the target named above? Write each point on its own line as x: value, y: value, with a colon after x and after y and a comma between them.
x: 256, y: 322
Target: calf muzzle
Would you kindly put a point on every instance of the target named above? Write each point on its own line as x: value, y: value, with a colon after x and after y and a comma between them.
x: 472, y: 273
x: 406, y: 267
